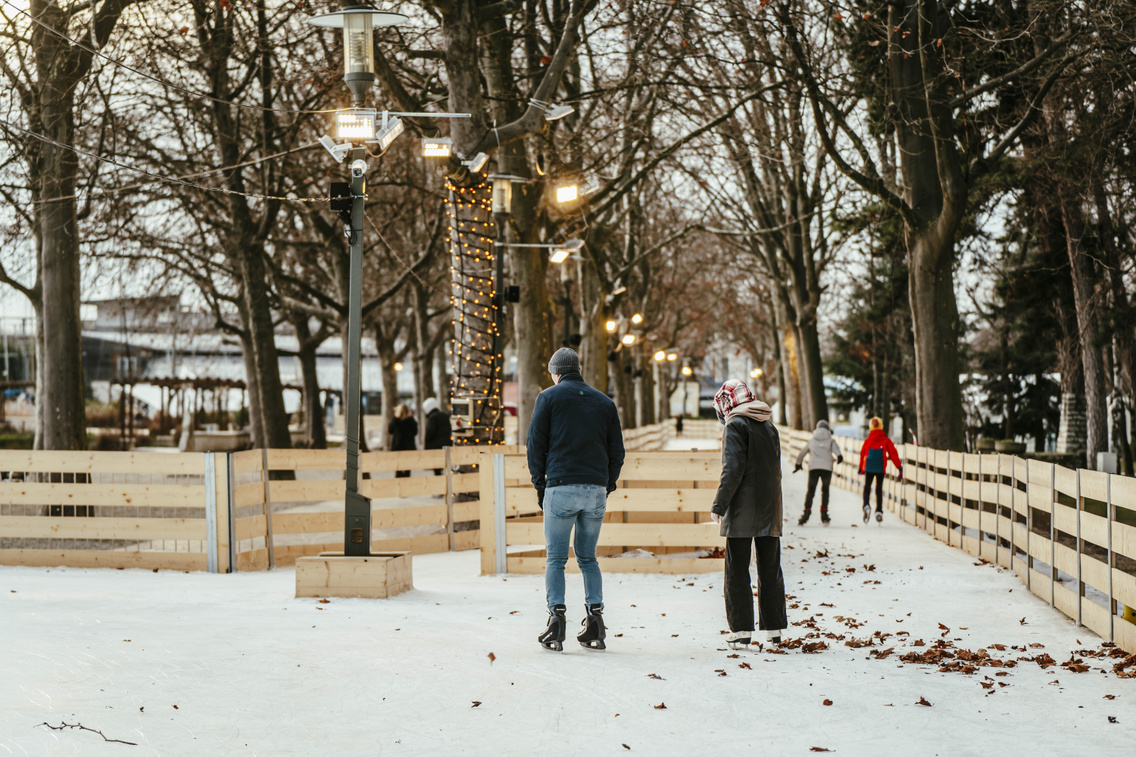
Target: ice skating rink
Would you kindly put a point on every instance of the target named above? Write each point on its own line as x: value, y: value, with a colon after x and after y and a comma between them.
x: 200, y: 664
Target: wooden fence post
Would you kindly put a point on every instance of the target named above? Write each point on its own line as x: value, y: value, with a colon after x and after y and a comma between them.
x: 1052, y: 534
x: 210, y: 512
x: 1080, y: 586
x: 449, y: 499
x: 500, y: 563
x: 998, y: 515
x: 1108, y: 526
x: 487, y: 531
x: 231, y: 511
x: 267, y: 507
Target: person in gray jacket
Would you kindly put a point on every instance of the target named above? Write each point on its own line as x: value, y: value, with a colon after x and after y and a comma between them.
x: 748, y: 505
x: 822, y: 448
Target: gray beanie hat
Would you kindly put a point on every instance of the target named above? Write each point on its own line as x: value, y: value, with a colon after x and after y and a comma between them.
x: 822, y: 424
x: 564, y: 361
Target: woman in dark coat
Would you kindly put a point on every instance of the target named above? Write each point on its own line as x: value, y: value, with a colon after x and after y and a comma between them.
x: 748, y: 505
x: 403, y: 431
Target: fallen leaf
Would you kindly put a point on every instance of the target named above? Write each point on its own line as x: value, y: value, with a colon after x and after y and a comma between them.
x: 1111, y: 719
x: 325, y: 601
x: 492, y: 657
x: 1110, y: 696
x: 625, y: 746
x: 476, y: 704
x: 656, y: 676
x: 1023, y: 622
x: 827, y: 703
x: 175, y: 707
x: 819, y: 749
x: 661, y: 706
x: 923, y: 701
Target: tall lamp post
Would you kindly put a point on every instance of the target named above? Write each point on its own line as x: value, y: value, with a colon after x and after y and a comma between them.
x: 358, y: 126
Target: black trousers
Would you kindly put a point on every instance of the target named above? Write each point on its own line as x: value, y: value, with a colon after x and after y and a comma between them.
x: 770, y: 585
x: 879, y: 479
x: 825, y: 478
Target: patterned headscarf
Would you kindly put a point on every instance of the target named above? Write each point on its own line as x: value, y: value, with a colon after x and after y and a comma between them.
x: 732, y: 394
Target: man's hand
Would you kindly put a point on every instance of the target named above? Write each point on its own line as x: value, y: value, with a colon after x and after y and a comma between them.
x: 540, y: 499
x: 899, y: 473
x: 716, y: 517
x: 796, y: 468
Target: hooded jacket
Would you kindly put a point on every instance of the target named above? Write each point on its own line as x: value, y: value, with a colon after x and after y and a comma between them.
x: 749, y: 490
x: 876, y: 451
x: 438, y: 433
x: 822, y: 448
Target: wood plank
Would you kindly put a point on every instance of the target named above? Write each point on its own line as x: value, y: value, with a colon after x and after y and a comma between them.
x: 221, y: 521
x: 1065, y: 559
x: 252, y: 560
x: 661, y: 565
x: 419, y: 459
x: 1065, y: 519
x: 1094, y: 485
x: 398, y: 488
x: 245, y: 495
x: 1065, y: 600
x: 1065, y: 481
x: 1039, y: 584
x: 1094, y: 617
x: 1094, y: 573
x: 1094, y: 529
x: 629, y: 534
x: 104, y: 558
x: 133, y: 529
x: 103, y: 495
x: 247, y: 461
x: 488, y: 539
x: 250, y: 528
x: 308, y: 459
x: 52, y: 461
x: 466, y: 511
x: 464, y: 540
x: 465, y: 483
x: 1040, y: 548
x: 646, y: 466
x: 306, y: 491
x: 1124, y: 635
x: 1124, y: 587
x: 1124, y: 540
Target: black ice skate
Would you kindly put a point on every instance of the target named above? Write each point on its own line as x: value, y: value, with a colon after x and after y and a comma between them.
x: 824, y: 519
x: 553, y: 637
x: 594, y: 633
x: 804, y: 518
x: 739, y: 639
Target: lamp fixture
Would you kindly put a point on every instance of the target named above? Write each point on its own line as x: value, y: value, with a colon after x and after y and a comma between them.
x: 628, y: 339
x: 610, y: 326
x: 672, y: 356
x: 477, y: 163
x: 686, y: 370
x: 559, y: 255
x: 390, y: 130
x: 637, y: 319
x: 339, y: 152
x: 437, y: 147
x: 553, y: 112
x: 567, y: 193
x: 660, y: 356
x: 358, y: 23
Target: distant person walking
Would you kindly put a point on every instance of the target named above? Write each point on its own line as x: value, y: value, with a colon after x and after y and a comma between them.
x: 873, y: 463
x: 822, y: 448
x: 437, y: 427
x: 748, y: 505
x: 403, y: 431
x: 575, y: 452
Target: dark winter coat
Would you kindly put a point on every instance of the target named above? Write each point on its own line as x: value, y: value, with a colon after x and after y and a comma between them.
x: 749, y: 491
x: 403, y: 433
x: 876, y: 451
x: 574, y: 436
x: 437, y: 430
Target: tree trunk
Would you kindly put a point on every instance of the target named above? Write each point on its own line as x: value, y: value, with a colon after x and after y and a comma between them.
x: 256, y: 419
x: 315, y: 430
x: 533, y: 329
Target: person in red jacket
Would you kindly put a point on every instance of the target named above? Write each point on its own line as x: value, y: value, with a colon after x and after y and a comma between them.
x: 873, y: 462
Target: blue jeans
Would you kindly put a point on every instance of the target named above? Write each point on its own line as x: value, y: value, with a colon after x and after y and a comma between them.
x: 582, y: 506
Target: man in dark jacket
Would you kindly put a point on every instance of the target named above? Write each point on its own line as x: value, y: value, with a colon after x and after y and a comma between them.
x: 575, y: 452
x: 748, y: 505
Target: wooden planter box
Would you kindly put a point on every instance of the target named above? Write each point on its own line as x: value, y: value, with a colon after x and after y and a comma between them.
x: 332, y: 574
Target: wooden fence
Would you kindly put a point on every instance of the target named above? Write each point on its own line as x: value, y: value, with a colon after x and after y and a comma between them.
x: 246, y: 510
x: 1070, y: 535
x: 222, y: 512
x: 662, y: 506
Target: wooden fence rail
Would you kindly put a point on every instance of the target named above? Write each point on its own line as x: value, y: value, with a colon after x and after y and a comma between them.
x: 1069, y: 535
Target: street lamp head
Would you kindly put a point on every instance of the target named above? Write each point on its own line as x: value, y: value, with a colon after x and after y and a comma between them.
x: 637, y: 319
x: 358, y: 23
x: 567, y: 193
x: 686, y: 371
x: 559, y: 255
x: 610, y: 326
x: 660, y: 356
x: 355, y: 124
x: 477, y: 163
x: 388, y: 133
x: 436, y: 147
x: 628, y: 339
x: 553, y: 112
x: 672, y: 356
